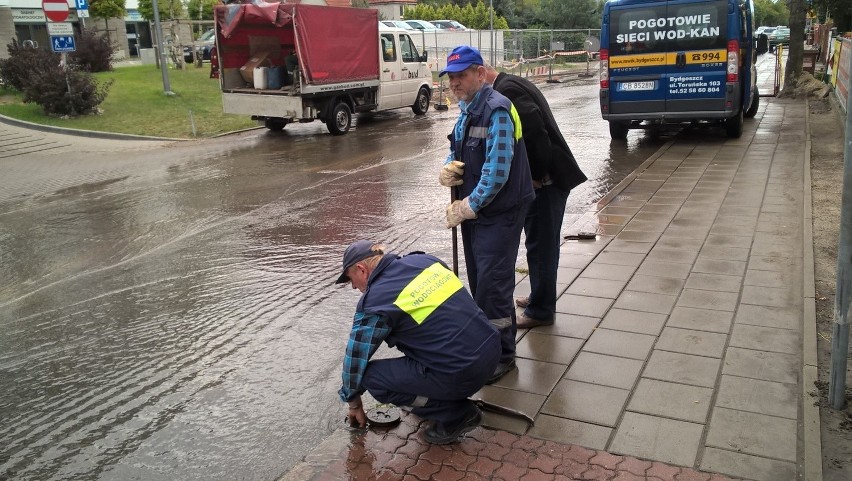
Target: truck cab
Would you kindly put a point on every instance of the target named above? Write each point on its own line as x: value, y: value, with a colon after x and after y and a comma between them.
x: 676, y: 61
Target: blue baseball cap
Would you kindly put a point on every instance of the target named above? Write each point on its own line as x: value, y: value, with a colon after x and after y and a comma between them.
x: 461, y: 58
x: 356, y: 252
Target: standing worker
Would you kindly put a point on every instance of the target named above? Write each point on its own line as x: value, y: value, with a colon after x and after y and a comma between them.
x: 554, y: 173
x: 418, y: 305
x: 488, y: 167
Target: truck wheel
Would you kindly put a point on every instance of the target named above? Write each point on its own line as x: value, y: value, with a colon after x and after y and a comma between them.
x: 421, y: 105
x: 340, y: 120
x: 755, y: 103
x: 275, y: 124
x: 618, y: 130
x: 734, y: 125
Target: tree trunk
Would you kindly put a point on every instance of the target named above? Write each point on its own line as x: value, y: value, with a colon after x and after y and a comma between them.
x: 795, y: 53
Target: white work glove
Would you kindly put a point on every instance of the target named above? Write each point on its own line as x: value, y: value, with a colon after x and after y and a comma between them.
x: 451, y: 174
x: 458, y: 212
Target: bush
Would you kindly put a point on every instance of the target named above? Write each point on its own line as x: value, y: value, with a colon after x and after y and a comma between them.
x: 15, y: 71
x: 94, y: 53
x: 39, y: 76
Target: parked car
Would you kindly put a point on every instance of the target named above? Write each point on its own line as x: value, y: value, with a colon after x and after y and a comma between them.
x: 205, y: 43
x: 764, y: 30
x: 779, y: 36
x: 397, y: 24
x: 448, y: 25
x: 422, y: 25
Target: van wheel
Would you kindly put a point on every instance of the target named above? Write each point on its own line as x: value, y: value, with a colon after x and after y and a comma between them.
x: 275, y: 124
x: 421, y: 104
x: 618, y: 130
x: 734, y: 125
x: 340, y: 120
x: 755, y: 103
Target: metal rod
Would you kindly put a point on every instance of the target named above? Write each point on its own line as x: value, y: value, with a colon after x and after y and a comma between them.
x: 453, y: 197
x: 840, y: 327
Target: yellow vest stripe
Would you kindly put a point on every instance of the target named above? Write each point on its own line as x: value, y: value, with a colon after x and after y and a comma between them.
x: 427, y: 291
x: 516, y: 119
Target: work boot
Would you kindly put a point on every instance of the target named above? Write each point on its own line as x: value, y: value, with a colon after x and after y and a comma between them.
x: 503, y: 368
x: 440, y: 434
x: 522, y: 302
x: 527, y: 322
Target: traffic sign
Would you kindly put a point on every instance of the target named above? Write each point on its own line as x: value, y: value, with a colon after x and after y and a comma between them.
x: 62, y: 43
x: 55, y: 10
x: 82, y: 4
x: 57, y: 28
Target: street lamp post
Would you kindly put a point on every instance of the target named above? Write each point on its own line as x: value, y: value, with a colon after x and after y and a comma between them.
x: 167, y: 89
x: 491, y: 15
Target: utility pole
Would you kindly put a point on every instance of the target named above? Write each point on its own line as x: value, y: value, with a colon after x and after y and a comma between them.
x: 491, y: 13
x: 167, y: 88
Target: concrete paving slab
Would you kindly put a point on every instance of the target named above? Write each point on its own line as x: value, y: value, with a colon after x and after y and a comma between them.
x: 656, y: 285
x: 724, y: 252
x: 620, y: 343
x: 570, y: 325
x: 548, y: 348
x: 657, y: 438
x: 714, y: 300
x: 566, y: 275
x: 682, y: 368
x: 714, y: 282
x: 633, y: 321
x: 585, y: 286
x: 629, y: 246
x: 664, y: 269
x: 576, y: 261
x: 620, y: 258
x: 672, y: 400
x: 609, y: 271
x: 768, y: 366
x: 740, y: 241
x: 590, y: 403
x: 763, y: 338
x: 770, y: 296
x: 767, y: 263
x: 757, y: 396
x: 701, y: 319
x: 716, y: 266
x: 681, y: 256
x: 536, y: 377
x: 756, y: 277
x: 570, y: 431
x: 768, y: 316
x: 605, y: 370
x: 672, y: 242
x: 583, y: 305
x: 639, y: 236
x: 753, y: 433
x: 746, y: 466
x: 688, y: 341
x: 645, y: 302
x: 525, y: 402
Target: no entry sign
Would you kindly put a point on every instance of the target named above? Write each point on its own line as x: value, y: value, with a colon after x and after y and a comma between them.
x: 55, y: 10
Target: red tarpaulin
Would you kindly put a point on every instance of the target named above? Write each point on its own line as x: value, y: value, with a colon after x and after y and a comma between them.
x: 333, y: 44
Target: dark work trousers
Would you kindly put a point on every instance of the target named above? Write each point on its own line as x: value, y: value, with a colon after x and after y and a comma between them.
x: 490, y: 253
x: 543, y: 230
x: 429, y: 394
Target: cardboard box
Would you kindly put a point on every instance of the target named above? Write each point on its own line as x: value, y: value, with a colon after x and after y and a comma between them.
x: 260, y: 59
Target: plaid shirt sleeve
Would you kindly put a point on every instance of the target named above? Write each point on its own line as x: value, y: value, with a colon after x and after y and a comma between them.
x: 499, y: 150
x: 368, y: 332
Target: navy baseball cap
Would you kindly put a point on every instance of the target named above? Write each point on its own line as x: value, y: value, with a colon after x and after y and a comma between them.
x: 356, y: 252
x: 461, y: 58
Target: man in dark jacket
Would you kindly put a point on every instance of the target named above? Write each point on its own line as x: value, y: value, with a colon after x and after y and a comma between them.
x: 416, y: 304
x: 554, y: 172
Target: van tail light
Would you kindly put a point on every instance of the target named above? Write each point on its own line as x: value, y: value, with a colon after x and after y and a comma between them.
x: 604, y: 56
x: 733, y: 60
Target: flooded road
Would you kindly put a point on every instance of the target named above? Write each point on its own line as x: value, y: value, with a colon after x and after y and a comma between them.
x: 167, y: 310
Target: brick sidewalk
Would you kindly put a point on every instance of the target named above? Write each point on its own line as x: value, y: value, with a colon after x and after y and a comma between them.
x: 484, y: 454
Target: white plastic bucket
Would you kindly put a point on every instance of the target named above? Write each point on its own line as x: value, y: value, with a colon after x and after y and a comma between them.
x: 260, y: 77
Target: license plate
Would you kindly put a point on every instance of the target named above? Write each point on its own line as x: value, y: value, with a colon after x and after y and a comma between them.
x: 637, y: 86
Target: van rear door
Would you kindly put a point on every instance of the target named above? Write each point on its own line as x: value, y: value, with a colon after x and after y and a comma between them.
x: 668, y: 59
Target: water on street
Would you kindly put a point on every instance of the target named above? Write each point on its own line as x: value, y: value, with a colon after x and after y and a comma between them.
x: 168, y: 310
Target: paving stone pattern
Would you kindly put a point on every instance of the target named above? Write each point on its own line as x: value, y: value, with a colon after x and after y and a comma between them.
x: 677, y: 346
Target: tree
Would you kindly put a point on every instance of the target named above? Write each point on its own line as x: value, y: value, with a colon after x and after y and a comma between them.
x: 192, y: 9
x: 169, y: 9
x: 837, y: 10
x: 570, y: 14
x: 770, y: 13
x: 106, y: 9
x: 797, y: 44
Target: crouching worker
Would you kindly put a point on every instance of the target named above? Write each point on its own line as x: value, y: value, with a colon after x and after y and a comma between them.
x: 416, y: 304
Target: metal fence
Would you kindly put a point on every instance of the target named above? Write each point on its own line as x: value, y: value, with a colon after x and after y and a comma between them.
x: 526, y: 52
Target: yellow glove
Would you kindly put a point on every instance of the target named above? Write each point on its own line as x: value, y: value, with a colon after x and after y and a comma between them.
x: 458, y: 212
x: 451, y: 174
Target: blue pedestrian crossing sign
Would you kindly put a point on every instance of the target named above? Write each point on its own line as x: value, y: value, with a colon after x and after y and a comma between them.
x: 62, y: 43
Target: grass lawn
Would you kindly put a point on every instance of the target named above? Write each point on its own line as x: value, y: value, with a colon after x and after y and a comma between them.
x: 136, y: 104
